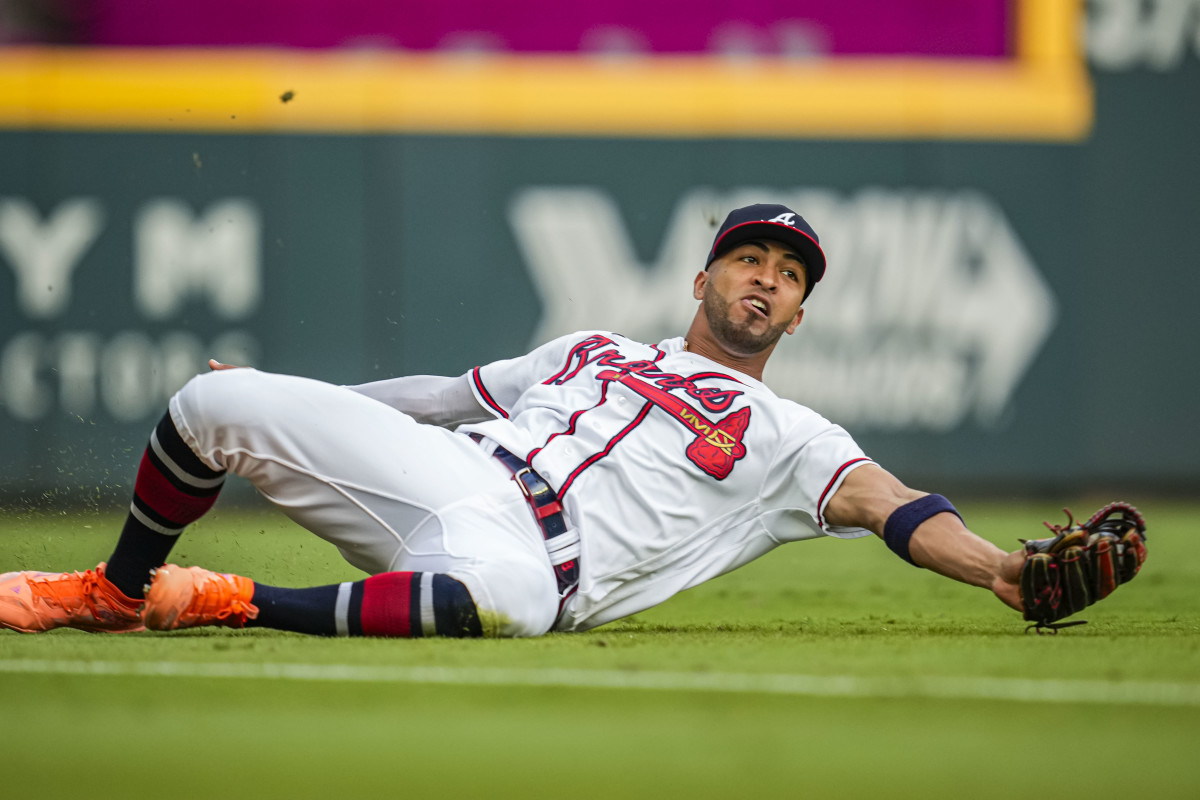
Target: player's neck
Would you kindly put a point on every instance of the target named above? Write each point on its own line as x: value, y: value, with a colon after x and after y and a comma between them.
x: 699, y: 340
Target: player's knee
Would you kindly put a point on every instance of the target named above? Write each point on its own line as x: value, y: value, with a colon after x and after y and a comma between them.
x: 216, y: 404
x: 226, y: 392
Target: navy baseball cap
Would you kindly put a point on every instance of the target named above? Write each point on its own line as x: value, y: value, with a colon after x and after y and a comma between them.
x: 769, y: 221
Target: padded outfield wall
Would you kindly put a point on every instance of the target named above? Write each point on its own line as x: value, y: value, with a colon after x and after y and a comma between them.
x: 1007, y: 307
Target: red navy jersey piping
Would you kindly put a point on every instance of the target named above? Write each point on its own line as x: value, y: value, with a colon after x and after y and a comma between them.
x: 829, y: 486
x: 485, y: 395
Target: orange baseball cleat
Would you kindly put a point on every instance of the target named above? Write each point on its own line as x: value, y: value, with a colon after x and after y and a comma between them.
x: 189, y: 597
x: 31, y: 602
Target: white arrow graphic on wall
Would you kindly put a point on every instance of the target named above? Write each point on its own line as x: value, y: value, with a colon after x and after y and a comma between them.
x: 931, y: 309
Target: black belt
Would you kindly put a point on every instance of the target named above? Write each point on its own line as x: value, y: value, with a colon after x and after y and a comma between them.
x: 561, y: 543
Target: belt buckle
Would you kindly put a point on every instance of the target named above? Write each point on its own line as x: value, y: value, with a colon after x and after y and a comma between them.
x: 534, y: 496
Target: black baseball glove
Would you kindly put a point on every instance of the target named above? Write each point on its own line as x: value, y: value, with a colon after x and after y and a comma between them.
x: 1080, y: 564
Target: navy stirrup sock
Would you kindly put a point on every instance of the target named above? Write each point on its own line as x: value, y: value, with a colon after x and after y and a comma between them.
x: 174, y: 488
x: 393, y: 604
x: 138, y: 551
x: 299, y: 610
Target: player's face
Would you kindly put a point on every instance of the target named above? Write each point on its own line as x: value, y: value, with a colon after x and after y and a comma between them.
x: 752, y: 295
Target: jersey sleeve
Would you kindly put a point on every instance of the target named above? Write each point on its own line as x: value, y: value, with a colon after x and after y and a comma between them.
x: 806, y: 477
x: 498, y: 386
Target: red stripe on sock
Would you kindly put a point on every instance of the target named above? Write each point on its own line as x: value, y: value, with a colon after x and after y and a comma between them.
x: 167, y: 501
x: 386, y: 604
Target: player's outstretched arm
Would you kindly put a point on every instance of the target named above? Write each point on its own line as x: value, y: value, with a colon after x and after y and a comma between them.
x: 870, y: 497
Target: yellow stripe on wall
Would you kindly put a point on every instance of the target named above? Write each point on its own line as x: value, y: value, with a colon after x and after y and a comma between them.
x: 1043, y: 94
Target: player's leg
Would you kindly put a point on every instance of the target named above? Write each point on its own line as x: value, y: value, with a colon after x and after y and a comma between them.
x: 173, y: 489
x: 392, y: 495
x: 392, y: 604
x: 473, y: 569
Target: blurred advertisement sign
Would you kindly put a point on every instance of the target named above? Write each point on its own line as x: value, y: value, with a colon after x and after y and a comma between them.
x: 830, y: 69
x: 803, y: 28
x: 1135, y: 34
x: 54, y: 362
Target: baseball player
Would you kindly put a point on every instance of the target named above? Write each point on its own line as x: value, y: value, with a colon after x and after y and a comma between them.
x: 582, y: 482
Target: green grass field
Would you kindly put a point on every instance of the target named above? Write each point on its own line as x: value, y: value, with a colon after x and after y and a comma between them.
x: 826, y: 669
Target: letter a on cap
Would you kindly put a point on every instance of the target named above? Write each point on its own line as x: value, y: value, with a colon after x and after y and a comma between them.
x: 787, y: 219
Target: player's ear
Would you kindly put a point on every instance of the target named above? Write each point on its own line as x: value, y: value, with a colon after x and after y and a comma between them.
x: 698, y: 285
x: 795, y: 322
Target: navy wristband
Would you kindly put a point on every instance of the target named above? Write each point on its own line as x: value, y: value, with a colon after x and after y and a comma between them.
x: 905, y: 520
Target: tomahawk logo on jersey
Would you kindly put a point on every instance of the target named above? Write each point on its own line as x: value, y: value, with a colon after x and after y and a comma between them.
x: 718, y: 444
x: 654, y: 454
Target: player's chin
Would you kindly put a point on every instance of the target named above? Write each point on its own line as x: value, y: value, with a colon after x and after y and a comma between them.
x: 746, y: 334
x: 750, y: 340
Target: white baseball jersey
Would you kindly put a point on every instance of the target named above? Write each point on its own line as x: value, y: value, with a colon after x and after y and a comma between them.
x: 673, y: 469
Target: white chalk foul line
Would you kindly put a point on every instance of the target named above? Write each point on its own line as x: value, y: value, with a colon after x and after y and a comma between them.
x: 957, y: 688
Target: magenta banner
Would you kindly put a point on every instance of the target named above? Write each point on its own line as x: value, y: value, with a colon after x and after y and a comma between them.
x: 800, y: 28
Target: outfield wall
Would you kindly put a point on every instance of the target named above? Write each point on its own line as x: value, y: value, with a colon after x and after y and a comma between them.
x: 1002, y: 312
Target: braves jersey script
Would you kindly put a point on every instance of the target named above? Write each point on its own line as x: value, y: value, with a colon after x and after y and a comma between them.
x: 673, y: 468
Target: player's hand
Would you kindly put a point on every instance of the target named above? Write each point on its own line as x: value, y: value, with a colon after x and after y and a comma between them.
x: 214, y: 365
x: 1007, y: 584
